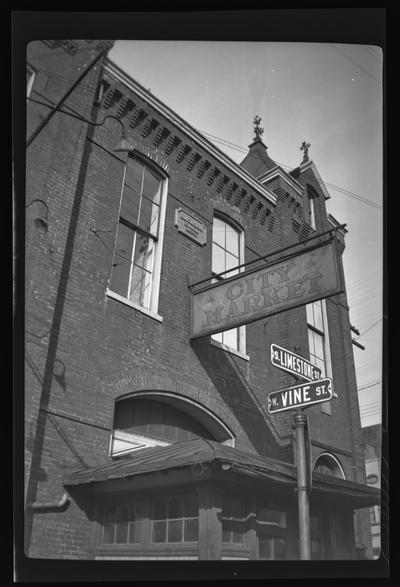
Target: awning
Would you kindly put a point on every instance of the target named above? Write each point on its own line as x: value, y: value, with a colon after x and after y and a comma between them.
x: 200, y: 451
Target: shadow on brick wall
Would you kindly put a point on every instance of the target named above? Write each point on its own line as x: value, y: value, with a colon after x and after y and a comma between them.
x: 233, y: 387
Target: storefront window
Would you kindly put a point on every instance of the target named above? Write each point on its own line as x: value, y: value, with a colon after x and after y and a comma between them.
x: 271, y: 533
x: 235, y: 513
x: 157, y: 521
x: 122, y: 524
x: 175, y: 520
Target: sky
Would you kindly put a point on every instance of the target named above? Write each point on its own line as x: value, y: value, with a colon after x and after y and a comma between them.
x: 329, y: 95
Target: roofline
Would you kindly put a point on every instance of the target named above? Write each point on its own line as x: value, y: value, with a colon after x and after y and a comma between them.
x: 332, y: 220
x: 311, y: 165
x: 278, y: 170
x: 186, y: 128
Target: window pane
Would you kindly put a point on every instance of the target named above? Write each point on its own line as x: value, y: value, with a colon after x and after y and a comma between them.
x: 218, y: 259
x: 318, y: 322
x: 232, y: 240
x: 231, y: 262
x: 238, y: 531
x: 191, y: 530
x: 140, y: 286
x: 319, y: 346
x: 122, y: 534
x: 135, y: 532
x: 144, y: 248
x: 226, y: 530
x: 108, y: 534
x: 130, y: 205
x: 122, y: 260
x: 159, y: 531
x: 230, y: 338
x: 219, y: 232
x: 175, y: 531
x: 311, y: 342
x: 217, y: 336
x: 134, y: 174
x: 148, y: 218
x: 151, y: 186
x: 310, y: 314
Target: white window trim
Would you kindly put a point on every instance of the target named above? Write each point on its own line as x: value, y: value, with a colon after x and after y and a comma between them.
x: 333, y: 458
x: 241, y: 329
x: 159, y: 246
x: 312, y: 213
x: 229, y: 349
x: 327, y: 345
x: 127, y: 302
x: 141, y: 441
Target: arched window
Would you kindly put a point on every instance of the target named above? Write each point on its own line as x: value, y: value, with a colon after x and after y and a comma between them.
x: 329, y: 465
x: 159, y: 420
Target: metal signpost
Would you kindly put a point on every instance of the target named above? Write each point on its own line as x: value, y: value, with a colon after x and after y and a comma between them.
x: 300, y: 396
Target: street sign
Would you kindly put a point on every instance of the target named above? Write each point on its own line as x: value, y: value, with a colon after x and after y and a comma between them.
x: 294, y: 364
x: 300, y: 396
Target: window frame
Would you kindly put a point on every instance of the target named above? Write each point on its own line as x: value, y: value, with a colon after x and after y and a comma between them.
x: 325, y: 407
x: 145, y: 547
x: 158, y: 240
x: 241, y: 330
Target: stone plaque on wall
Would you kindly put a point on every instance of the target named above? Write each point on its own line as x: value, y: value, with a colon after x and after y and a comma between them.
x: 190, y: 226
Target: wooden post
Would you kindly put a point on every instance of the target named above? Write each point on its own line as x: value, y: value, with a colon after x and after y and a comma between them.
x: 210, y: 527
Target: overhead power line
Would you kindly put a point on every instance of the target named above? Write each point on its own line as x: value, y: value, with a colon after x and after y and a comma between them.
x: 289, y: 167
x: 355, y: 62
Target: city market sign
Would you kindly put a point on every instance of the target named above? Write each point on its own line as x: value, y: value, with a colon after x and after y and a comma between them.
x: 294, y: 364
x: 300, y: 396
x: 296, y: 280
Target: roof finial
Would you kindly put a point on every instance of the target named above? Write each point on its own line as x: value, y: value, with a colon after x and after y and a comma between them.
x: 257, y: 129
x: 304, y: 147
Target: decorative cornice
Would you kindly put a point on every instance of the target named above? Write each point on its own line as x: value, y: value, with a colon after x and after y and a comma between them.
x: 279, y: 172
x: 188, y: 130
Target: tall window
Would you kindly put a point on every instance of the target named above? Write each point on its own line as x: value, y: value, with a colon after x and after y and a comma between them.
x: 227, y: 253
x: 318, y: 342
x: 316, y: 335
x: 136, y: 262
x: 312, y: 213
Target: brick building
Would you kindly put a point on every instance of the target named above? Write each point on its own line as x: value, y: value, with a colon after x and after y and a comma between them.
x: 140, y: 442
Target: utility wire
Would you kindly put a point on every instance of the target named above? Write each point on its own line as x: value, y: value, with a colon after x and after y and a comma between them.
x: 355, y: 62
x: 288, y: 167
x: 368, y: 329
